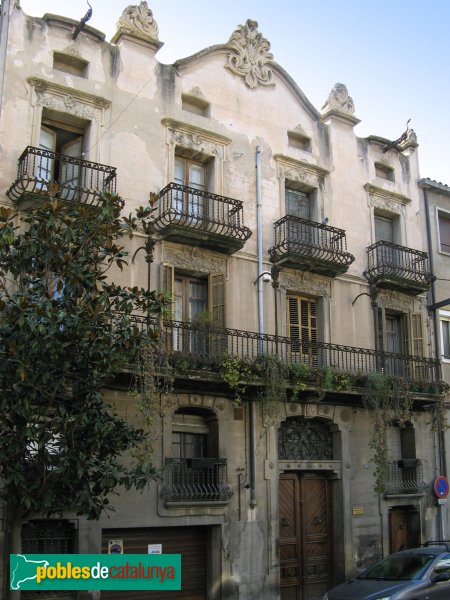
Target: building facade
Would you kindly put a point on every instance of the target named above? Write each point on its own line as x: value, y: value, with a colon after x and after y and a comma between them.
x: 296, y: 256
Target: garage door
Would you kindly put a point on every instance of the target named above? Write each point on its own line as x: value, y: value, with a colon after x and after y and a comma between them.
x: 190, y: 542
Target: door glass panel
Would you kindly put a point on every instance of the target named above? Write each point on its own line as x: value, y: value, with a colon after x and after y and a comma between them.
x: 178, y: 177
x: 45, y: 164
x: 70, y: 173
x: 196, y: 181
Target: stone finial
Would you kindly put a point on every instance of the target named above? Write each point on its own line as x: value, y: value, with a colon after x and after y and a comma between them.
x: 137, y: 21
x: 339, y: 100
x: 249, y: 55
x: 410, y: 142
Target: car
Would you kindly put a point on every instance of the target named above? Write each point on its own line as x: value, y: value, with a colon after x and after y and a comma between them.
x: 416, y: 574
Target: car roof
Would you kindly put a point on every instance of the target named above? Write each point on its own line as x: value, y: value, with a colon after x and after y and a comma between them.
x: 430, y: 550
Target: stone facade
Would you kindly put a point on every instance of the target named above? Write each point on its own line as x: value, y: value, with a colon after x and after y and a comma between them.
x: 300, y: 471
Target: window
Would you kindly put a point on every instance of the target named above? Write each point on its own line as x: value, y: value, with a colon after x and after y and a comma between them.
x: 70, y: 64
x: 189, y: 435
x: 445, y: 333
x: 400, y: 335
x: 189, y: 174
x: 444, y: 231
x: 200, y: 302
x: 384, y: 229
x: 195, y: 105
x: 298, y: 204
x: 61, y: 143
x: 299, y: 140
x: 302, y: 327
x: 384, y: 171
x: 48, y: 537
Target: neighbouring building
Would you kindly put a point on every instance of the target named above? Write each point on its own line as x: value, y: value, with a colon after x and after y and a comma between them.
x: 297, y: 259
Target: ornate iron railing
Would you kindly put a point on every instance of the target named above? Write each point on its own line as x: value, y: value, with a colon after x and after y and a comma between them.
x: 310, y: 239
x: 388, y: 260
x: 196, y: 480
x: 208, y: 344
x: 41, y: 171
x: 187, y: 207
x: 405, y: 477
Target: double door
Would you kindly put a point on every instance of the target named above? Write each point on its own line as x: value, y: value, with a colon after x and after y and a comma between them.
x: 305, y: 536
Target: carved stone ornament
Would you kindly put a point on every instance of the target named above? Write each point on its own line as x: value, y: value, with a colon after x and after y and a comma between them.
x: 384, y: 200
x: 392, y: 301
x: 304, y: 439
x: 339, y: 100
x: 193, y: 259
x: 304, y: 282
x: 196, y: 141
x: 138, y: 21
x: 61, y: 99
x: 250, y: 56
x: 301, y: 175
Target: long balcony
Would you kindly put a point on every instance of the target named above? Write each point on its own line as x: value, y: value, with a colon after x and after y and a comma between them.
x: 199, y: 218
x: 205, y: 347
x: 395, y: 267
x: 192, y: 480
x: 41, y: 172
x: 310, y: 246
x: 405, y: 477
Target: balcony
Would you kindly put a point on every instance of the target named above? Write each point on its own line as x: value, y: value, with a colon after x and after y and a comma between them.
x: 310, y: 246
x: 194, y: 480
x: 405, y: 477
x: 198, y: 218
x: 204, y: 346
x: 41, y: 172
x: 395, y: 267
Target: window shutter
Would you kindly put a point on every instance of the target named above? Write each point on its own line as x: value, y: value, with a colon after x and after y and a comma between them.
x: 380, y: 324
x: 302, y: 319
x: 408, y: 441
x: 384, y: 229
x: 217, y: 299
x: 167, y: 283
x: 416, y: 334
x: 298, y: 204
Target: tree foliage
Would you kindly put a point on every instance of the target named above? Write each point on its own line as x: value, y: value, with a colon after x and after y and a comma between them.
x: 65, y: 331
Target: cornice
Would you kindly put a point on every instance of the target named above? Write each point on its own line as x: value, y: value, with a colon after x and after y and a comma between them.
x: 288, y: 161
x: 57, y: 89
x: 189, y: 128
x: 386, y: 194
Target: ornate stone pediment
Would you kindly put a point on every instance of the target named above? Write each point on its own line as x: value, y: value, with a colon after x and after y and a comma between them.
x: 193, y: 259
x: 137, y: 21
x: 304, y: 282
x: 385, y: 200
x: 196, y: 139
x: 249, y: 56
x: 301, y: 172
x: 393, y: 301
x: 339, y: 100
x: 68, y: 100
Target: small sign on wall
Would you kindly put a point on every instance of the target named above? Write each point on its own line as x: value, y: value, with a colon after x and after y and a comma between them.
x: 357, y: 511
x: 115, y: 546
x: 154, y: 549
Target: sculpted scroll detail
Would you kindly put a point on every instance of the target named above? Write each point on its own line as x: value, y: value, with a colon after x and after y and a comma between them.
x: 138, y: 20
x: 250, y: 56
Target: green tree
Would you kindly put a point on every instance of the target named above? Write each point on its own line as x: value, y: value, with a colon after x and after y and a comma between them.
x: 65, y: 331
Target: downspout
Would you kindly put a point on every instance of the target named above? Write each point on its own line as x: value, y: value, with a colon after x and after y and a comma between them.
x: 4, y: 34
x: 441, y: 433
x: 251, y: 424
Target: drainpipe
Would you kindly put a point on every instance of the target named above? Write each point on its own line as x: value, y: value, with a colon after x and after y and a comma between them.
x: 441, y: 434
x: 259, y: 240
x: 4, y: 32
x: 251, y: 424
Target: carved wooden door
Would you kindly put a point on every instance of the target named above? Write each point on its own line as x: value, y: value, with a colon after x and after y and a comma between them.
x: 305, y: 536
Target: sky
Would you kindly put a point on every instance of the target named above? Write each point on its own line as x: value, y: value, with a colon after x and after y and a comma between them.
x: 393, y: 55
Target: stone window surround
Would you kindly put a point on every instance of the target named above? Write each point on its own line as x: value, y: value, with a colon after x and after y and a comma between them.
x: 387, y: 204
x: 444, y: 315
x: 72, y: 102
x: 445, y: 214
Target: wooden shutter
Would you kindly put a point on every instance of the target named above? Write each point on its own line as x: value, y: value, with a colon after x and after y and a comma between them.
x: 217, y: 299
x: 416, y: 334
x: 216, y: 305
x: 384, y: 229
x: 298, y: 204
x: 302, y: 322
x: 170, y: 335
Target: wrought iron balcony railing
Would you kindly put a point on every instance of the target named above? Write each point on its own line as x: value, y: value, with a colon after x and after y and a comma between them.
x: 396, y: 267
x: 196, y: 480
x: 405, y: 477
x: 41, y: 171
x: 311, y: 246
x: 184, y: 213
x: 211, y: 343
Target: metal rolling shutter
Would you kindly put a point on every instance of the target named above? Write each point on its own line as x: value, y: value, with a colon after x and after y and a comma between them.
x: 190, y: 542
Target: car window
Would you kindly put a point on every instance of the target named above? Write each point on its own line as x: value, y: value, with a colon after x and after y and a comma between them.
x: 399, y: 567
x: 443, y: 565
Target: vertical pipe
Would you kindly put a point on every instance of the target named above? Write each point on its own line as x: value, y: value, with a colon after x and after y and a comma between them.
x: 259, y: 241
x: 252, y: 463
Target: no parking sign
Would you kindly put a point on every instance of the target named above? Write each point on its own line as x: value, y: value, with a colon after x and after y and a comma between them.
x: 441, y: 487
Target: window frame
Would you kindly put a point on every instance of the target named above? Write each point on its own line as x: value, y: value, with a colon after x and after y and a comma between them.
x: 445, y: 215
x: 444, y: 317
